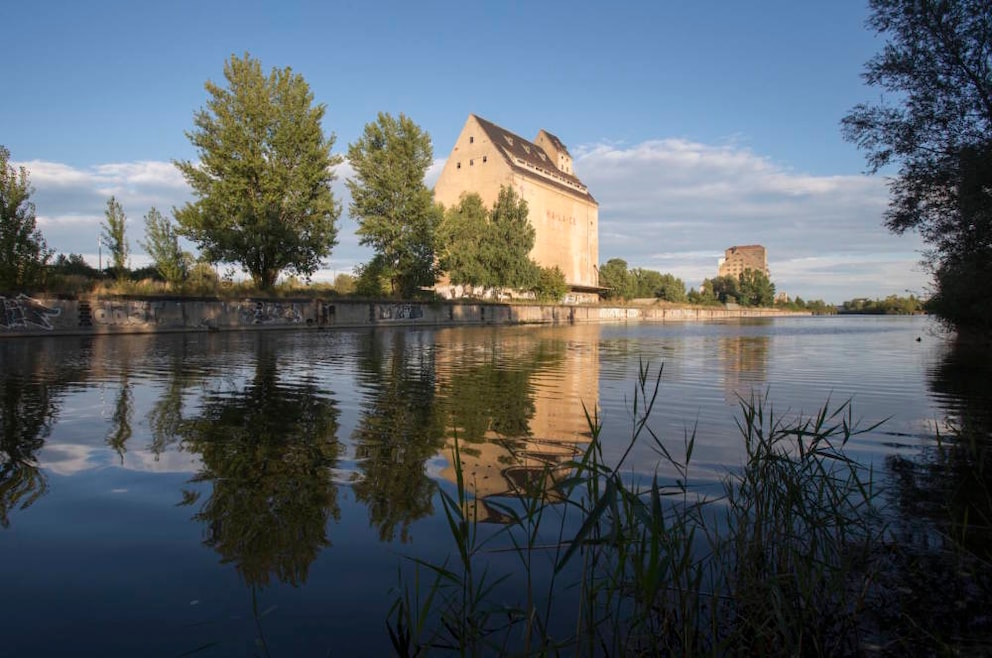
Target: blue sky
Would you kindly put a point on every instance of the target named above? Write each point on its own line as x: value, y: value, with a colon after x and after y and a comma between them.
x: 696, y: 125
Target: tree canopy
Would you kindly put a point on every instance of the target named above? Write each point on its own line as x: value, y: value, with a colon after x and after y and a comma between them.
x: 461, y: 237
x: 114, y: 237
x: 755, y: 288
x: 263, y: 180
x: 162, y: 244
x: 23, y: 250
x: 506, y: 248
x: 491, y: 248
x: 394, y: 209
x: 936, y: 64
x: 617, y: 279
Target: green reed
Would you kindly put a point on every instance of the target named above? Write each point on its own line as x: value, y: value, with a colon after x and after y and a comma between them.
x: 782, y: 563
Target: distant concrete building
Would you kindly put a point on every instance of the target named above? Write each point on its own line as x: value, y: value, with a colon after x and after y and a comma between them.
x: 565, y: 216
x: 743, y: 257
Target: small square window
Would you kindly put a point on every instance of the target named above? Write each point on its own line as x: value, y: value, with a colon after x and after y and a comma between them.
x: 471, y: 162
x: 484, y: 158
x: 471, y: 140
x: 459, y: 165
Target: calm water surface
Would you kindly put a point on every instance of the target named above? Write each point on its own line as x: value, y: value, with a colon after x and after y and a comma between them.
x: 252, y: 493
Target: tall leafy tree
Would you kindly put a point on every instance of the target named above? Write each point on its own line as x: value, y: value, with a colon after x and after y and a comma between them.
x: 461, y: 237
x: 617, y: 279
x: 726, y: 289
x: 509, y: 237
x: 395, y: 210
x: 114, y: 236
x: 162, y: 244
x: 263, y: 180
x: 937, y: 65
x: 550, y: 284
x: 755, y: 288
x: 671, y: 289
x: 23, y: 250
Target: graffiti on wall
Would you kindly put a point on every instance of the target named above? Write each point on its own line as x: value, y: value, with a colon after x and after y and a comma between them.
x: 23, y: 312
x: 400, y: 312
x: 270, y: 313
x: 121, y: 313
x: 619, y: 313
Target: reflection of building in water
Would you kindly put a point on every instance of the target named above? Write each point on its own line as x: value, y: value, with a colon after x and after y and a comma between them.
x: 516, y: 404
x: 745, y: 365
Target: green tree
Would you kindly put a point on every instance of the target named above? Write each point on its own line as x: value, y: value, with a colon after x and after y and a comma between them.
x: 23, y: 250
x: 509, y: 237
x: 162, y: 244
x: 617, y: 279
x: 550, y: 285
x: 394, y: 209
x: 74, y: 264
x: 344, y: 283
x: 114, y: 237
x: 371, y: 278
x: 647, y: 283
x: 939, y: 132
x: 263, y: 180
x: 755, y: 288
x: 724, y: 289
x: 461, y: 237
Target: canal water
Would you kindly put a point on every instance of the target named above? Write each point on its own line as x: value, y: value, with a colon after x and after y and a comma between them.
x: 256, y: 493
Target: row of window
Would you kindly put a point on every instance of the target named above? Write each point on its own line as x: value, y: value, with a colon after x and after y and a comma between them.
x: 472, y: 162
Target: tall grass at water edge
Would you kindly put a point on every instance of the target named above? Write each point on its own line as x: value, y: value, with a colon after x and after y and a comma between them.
x: 793, y: 559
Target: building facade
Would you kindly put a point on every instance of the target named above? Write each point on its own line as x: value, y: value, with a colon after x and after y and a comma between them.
x: 743, y: 257
x: 565, y: 216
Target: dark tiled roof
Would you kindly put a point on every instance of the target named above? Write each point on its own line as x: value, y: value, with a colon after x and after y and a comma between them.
x: 516, y: 149
x: 557, y: 143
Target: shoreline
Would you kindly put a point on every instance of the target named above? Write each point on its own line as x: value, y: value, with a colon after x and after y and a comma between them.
x: 23, y: 316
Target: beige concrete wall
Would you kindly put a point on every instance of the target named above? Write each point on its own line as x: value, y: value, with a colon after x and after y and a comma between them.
x: 566, y: 230
x: 25, y: 316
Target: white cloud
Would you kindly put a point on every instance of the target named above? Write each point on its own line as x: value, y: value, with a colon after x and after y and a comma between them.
x: 675, y: 205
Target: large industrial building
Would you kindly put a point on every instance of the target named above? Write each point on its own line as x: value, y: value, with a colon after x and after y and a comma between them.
x: 565, y: 216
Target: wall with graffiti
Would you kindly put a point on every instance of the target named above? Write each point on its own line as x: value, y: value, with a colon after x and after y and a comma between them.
x: 25, y: 315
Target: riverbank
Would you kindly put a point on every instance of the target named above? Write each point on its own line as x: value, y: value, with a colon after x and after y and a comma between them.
x: 30, y: 316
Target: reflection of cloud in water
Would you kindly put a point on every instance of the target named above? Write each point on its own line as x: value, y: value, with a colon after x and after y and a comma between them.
x: 71, y: 459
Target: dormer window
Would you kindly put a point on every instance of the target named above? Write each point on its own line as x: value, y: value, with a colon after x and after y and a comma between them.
x: 509, y: 140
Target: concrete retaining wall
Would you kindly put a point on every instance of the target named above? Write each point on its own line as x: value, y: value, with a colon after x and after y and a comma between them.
x: 23, y: 315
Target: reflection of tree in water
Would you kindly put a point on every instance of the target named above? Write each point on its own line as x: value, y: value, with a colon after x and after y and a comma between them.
x: 31, y: 383
x: 268, y: 449
x: 27, y: 410
x: 399, y: 430
x: 944, y: 499
x: 120, y: 428
x: 166, y: 416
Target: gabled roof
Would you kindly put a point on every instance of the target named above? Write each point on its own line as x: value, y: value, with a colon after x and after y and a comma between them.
x: 557, y: 143
x: 529, y: 159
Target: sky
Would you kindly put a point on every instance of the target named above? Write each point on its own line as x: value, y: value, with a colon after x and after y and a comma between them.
x: 697, y: 126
